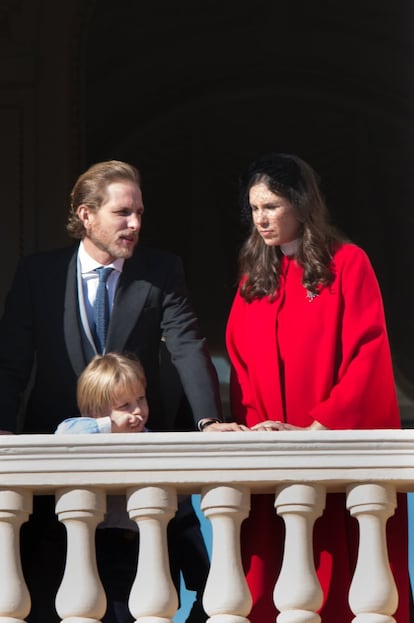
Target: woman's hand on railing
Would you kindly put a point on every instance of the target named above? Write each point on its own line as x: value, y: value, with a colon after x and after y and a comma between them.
x: 275, y: 425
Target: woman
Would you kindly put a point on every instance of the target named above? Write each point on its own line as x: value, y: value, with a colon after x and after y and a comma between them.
x: 308, y: 346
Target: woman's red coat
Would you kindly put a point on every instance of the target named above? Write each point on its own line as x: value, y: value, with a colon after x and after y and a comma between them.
x: 299, y: 359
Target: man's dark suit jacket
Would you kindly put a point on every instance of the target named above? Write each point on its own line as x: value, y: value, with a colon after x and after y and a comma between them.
x: 41, y: 326
x: 41, y: 339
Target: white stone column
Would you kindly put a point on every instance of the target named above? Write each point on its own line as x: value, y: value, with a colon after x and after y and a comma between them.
x: 226, y: 597
x: 298, y: 594
x: 81, y: 597
x: 373, y: 595
x: 153, y: 597
x: 15, y: 507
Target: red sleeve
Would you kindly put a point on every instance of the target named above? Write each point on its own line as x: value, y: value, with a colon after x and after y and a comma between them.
x: 364, y: 395
x: 241, y: 403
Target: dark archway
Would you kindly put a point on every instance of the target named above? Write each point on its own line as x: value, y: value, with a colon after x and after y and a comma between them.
x: 190, y: 92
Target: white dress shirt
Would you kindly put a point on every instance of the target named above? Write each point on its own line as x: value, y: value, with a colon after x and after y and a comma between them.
x: 88, y: 284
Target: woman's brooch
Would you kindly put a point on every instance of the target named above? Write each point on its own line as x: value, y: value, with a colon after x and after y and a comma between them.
x: 311, y: 295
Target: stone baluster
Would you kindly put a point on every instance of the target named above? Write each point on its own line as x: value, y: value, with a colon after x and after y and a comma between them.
x: 298, y: 594
x: 15, y: 507
x: 153, y: 597
x: 81, y: 597
x: 376, y: 600
x: 226, y: 597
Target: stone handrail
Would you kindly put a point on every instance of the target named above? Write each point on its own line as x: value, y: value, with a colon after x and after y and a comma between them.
x: 225, y: 468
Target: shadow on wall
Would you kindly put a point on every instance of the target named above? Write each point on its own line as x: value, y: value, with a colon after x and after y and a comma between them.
x: 196, y: 113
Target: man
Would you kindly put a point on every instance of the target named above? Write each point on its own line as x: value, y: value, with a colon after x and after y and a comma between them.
x: 49, y: 329
x: 49, y: 310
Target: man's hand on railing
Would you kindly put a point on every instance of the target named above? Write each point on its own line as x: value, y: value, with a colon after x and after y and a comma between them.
x: 213, y: 425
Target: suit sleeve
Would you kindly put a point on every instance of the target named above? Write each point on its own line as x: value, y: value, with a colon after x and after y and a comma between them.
x: 16, y: 348
x: 188, y: 349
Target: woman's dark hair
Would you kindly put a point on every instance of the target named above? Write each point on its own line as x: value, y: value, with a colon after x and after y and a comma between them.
x: 259, y: 264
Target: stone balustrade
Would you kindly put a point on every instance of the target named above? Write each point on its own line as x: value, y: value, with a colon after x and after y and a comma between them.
x: 298, y: 467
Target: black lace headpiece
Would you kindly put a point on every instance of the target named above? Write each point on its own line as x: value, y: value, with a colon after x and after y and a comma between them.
x: 282, y: 173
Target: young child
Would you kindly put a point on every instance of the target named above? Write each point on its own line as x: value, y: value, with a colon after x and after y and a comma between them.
x: 111, y: 398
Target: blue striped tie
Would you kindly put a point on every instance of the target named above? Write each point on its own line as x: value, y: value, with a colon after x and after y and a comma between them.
x: 101, y: 308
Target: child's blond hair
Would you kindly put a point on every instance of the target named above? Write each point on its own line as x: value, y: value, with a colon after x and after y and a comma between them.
x: 103, y: 378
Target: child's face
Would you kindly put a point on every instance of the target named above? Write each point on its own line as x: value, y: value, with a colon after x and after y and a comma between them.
x: 130, y: 409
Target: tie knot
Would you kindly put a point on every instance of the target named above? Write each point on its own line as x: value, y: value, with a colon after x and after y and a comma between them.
x: 103, y: 273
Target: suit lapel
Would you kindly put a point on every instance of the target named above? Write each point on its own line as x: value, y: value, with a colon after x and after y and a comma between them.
x: 129, y: 301
x: 132, y: 292
x: 73, y: 337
